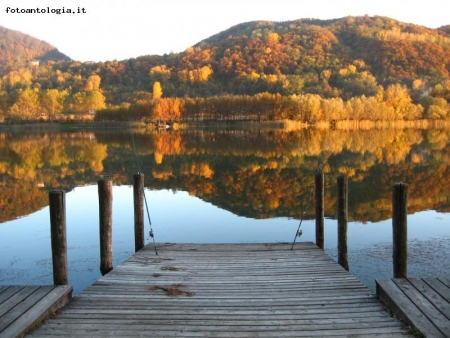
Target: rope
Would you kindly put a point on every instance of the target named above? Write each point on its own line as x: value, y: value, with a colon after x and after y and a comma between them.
x: 151, y: 234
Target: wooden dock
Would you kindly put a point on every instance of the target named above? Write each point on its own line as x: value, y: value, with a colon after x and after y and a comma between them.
x: 422, y: 303
x: 239, y: 290
x: 23, y: 308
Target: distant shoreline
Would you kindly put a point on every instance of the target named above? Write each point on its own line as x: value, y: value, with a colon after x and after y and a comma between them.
x: 287, y: 125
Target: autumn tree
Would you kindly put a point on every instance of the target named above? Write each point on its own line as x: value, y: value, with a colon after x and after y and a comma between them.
x: 294, y: 85
x: 95, y: 101
x: 157, y: 90
x: 195, y: 75
x: 26, y: 105
x: 436, y: 107
x: 160, y: 73
x: 17, y: 79
x: 93, y: 83
x: 397, y: 96
x: 310, y: 109
x: 333, y: 109
x: 83, y: 102
x: 272, y: 38
x: 5, y: 103
x: 53, y: 101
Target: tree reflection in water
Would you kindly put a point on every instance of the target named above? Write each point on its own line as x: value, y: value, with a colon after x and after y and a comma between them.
x: 240, y: 185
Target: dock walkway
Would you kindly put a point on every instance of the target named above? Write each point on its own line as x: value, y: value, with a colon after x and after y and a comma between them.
x: 239, y: 290
x: 22, y: 308
x: 422, y: 303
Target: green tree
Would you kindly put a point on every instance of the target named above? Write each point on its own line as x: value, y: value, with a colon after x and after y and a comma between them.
x: 294, y: 85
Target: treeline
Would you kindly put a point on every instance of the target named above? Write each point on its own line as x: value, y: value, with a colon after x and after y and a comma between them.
x: 32, y: 103
x: 338, y: 60
x: 392, y: 104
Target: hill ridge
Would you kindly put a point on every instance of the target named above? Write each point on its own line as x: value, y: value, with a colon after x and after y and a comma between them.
x: 344, y: 57
x: 17, y: 49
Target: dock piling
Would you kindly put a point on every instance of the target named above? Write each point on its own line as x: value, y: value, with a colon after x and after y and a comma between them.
x: 138, y: 197
x: 342, y: 182
x: 400, y: 230
x: 319, y: 185
x: 105, y: 198
x: 57, y: 203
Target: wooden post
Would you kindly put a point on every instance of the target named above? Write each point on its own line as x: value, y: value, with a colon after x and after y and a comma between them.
x: 57, y: 202
x: 400, y: 229
x: 138, y: 197
x: 105, y: 198
x: 342, y: 203
x: 318, y: 180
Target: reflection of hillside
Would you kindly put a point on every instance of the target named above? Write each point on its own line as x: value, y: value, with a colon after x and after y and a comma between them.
x: 253, y: 173
x: 33, y: 163
x: 24, y: 199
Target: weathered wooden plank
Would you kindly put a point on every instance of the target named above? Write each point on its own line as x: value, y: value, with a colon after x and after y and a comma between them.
x: 213, y: 248
x: 439, y: 302
x: 439, y: 287
x: 424, y: 305
x: 15, y: 299
x: 396, y: 300
x: 224, y: 326
x: 20, y: 303
x: 51, y: 299
x: 316, y: 314
x: 128, y: 332
x: 8, y: 292
x: 266, y: 292
x: 221, y: 326
x: 445, y: 281
x: 298, y: 283
x: 312, y: 278
x: 247, y: 290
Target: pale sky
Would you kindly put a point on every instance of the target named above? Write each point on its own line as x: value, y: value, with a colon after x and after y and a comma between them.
x: 122, y: 29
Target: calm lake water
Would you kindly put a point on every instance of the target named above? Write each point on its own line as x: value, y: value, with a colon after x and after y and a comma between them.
x: 227, y: 186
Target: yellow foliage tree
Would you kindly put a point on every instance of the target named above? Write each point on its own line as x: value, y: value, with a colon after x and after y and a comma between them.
x: 160, y: 72
x: 93, y: 83
x: 157, y: 90
x: 272, y: 38
x: 26, y: 105
x: 53, y: 101
x: 397, y: 97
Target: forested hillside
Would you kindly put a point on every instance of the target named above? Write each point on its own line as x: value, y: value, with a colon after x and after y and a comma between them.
x: 352, y: 57
x: 18, y: 50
